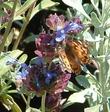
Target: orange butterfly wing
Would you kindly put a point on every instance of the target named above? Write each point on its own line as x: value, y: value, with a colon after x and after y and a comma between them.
x: 74, y: 54
x: 80, y: 50
x: 69, y: 61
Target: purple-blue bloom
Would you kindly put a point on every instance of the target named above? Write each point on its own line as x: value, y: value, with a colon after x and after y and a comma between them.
x: 71, y: 27
x: 60, y: 35
x: 49, y: 77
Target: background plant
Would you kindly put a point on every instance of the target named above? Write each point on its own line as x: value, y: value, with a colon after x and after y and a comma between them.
x: 95, y: 16
x: 11, y: 11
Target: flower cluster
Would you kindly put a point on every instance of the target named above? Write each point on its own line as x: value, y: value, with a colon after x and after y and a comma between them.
x: 45, y: 46
x: 38, y: 78
x: 46, y: 74
x: 62, y: 27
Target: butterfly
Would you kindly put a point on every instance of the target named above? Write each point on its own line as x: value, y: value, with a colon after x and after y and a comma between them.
x: 74, y: 55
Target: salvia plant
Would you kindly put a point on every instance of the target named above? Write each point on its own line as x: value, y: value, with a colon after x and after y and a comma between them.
x: 76, y: 45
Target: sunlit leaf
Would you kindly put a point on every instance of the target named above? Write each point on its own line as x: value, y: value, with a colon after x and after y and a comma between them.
x: 95, y: 20
x: 88, y: 8
x: 7, y: 5
x: 30, y: 109
x: 18, y: 18
x: 9, y: 38
x: 77, y: 5
x: 82, y: 80
x: 78, y: 97
x: 24, y: 7
x: 89, y: 38
x: 95, y: 3
x: 92, y: 80
x: 72, y: 87
x: 23, y: 58
x: 9, y: 103
x: 103, y: 3
x: 93, y: 109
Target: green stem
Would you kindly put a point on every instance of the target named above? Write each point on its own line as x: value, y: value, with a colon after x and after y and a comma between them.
x: 28, y: 102
x: 2, y: 45
x: 22, y: 95
x: 69, y: 13
x: 43, y: 102
x: 27, y: 19
x: 105, y: 107
x: 103, y: 72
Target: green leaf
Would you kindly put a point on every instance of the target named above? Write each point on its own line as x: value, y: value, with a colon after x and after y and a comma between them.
x: 77, y: 5
x: 93, y: 109
x: 82, y: 80
x: 103, y: 3
x: 72, y: 87
x: 18, y: 18
x: 30, y: 109
x: 95, y: 20
x: 108, y: 30
x: 78, y: 97
x: 7, y: 57
x: 90, y: 38
x: 2, y: 13
x: 4, y: 25
x: 92, y: 80
x: 44, y: 4
x: 95, y: 3
x: 24, y: 7
x: 107, y: 83
x: 88, y: 8
x: 35, y: 61
x: 7, y: 5
x: 9, y: 38
x: 31, y: 38
x: 23, y: 58
x: 8, y: 102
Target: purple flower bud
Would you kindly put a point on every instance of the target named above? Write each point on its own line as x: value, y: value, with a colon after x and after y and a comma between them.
x: 53, y: 102
x: 55, y: 22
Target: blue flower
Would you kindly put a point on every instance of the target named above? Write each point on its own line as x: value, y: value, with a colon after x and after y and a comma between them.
x: 23, y: 72
x: 49, y: 76
x: 60, y: 35
x: 71, y: 27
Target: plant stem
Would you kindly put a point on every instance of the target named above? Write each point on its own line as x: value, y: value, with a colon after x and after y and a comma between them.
x: 22, y: 95
x: 2, y: 45
x: 103, y: 72
x: 28, y: 101
x: 26, y: 21
x: 43, y: 102
x: 105, y: 107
